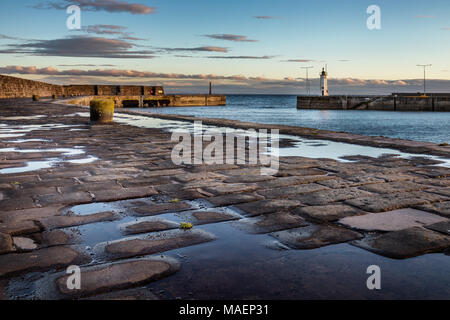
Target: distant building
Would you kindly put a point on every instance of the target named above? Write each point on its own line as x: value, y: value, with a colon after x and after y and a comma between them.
x: 323, y: 83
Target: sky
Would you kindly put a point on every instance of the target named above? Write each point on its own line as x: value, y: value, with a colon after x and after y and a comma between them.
x: 245, y: 46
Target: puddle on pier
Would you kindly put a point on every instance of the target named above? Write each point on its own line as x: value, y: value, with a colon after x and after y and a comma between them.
x: 11, y: 135
x: 28, y: 140
x: 49, y: 162
x: 23, y: 117
x: 64, y: 151
x: 337, y: 150
x: 34, y: 127
x: 238, y: 265
x: 245, y: 266
x: 13, y: 131
x: 32, y: 166
x: 99, y: 232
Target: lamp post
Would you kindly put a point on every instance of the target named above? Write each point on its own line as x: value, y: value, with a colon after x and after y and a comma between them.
x: 307, y: 80
x: 424, y: 77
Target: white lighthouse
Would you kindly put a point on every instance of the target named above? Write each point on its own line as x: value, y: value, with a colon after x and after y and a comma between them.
x: 323, y: 83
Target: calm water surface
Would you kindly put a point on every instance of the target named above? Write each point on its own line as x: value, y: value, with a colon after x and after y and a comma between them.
x: 279, y: 109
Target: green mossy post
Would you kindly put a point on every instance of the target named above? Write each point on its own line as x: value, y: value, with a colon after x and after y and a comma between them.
x: 35, y: 97
x: 102, y: 111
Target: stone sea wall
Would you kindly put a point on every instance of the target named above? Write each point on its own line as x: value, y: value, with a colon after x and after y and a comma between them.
x: 383, y: 103
x: 12, y: 87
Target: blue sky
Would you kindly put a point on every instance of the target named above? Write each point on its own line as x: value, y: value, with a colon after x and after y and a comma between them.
x: 227, y: 39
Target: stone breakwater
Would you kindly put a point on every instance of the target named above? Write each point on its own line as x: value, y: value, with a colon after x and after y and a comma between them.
x: 438, y: 103
x: 118, y: 217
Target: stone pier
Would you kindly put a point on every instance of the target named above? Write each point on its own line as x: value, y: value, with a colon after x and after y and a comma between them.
x: 110, y: 200
x: 437, y: 103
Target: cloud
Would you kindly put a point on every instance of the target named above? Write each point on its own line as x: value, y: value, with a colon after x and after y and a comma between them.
x: 2, y: 36
x: 99, y: 5
x: 108, y: 29
x: 80, y: 46
x: 199, y: 49
x: 86, y: 65
x: 266, y: 17
x: 112, y: 73
x: 298, y: 60
x: 446, y: 28
x: 424, y: 16
x: 241, y: 57
x: 230, y: 37
x: 104, y: 29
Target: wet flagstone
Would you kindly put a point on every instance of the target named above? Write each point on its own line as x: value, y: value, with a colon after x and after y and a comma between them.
x: 149, y: 226
x: 101, y: 279
x: 41, y: 260
x: 271, y: 222
x: 205, y: 217
x: 106, y: 281
x: 231, y: 199
x: 155, y: 209
x: 406, y: 243
x: 327, y: 213
x: 315, y: 236
x: 74, y: 220
x: 154, y: 243
x: 442, y: 227
x: 267, y: 206
x: 392, y: 220
x: 387, y: 202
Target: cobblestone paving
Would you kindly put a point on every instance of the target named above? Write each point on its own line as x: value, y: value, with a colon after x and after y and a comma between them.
x: 76, y: 194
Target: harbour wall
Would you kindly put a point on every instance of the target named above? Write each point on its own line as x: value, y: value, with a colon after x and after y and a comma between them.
x: 123, y: 95
x: 140, y: 101
x: 436, y: 103
x: 12, y: 87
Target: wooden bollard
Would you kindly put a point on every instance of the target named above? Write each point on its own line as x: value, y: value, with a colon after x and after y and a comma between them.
x: 102, y: 111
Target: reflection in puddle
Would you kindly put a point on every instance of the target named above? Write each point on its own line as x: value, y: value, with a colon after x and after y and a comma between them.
x: 7, y: 135
x: 47, y: 163
x: 336, y: 150
x: 64, y: 151
x: 35, y: 127
x: 88, y: 159
x: 80, y: 114
x: 28, y: 140
x: 23, y: 117
x: 32, y: 166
